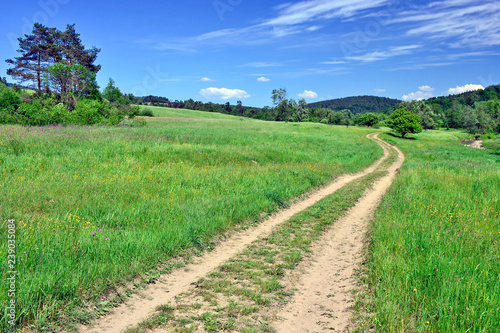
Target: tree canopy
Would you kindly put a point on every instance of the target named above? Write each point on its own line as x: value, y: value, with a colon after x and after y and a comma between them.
x: 45, y: 47
x: 404, y: 122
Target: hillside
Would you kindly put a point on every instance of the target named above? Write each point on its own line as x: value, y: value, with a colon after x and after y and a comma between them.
x: 358, y: 104
x: 467, y: 98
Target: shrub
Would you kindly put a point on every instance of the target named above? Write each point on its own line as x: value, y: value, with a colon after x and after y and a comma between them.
x: 31, y: 114
x: 9, y: 99
x: 88, y: 112
x: 147, y: 112
x: 134, y: 111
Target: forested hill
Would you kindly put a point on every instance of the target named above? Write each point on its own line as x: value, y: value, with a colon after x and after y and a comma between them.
x: 358, y: 104
x: 467, y: 98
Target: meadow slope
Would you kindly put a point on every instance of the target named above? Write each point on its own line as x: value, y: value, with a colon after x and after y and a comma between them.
x: 97, y: 206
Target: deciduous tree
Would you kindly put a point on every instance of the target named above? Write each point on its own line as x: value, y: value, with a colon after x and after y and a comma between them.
x: 113, y: 94
x: 404, y: 122
x: 281, y: 103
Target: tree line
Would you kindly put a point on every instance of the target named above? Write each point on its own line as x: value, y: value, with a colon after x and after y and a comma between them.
x: 62, y: 72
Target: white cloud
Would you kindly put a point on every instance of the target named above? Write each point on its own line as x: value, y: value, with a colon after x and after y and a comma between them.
x: 423, y: 92
x: 381, y: 55
x: 462, y: 89
x: 308, y: 94
x: 263, y: 79
x: 379, y: 90
x: 206, y: 79
x: 223, y: 93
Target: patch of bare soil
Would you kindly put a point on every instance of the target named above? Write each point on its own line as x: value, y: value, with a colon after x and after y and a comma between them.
x: 473, y: 144
x: 165, y: 290
x: 325, y: 283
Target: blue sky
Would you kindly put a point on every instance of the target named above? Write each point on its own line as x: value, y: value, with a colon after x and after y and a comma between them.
x: 229, y: 50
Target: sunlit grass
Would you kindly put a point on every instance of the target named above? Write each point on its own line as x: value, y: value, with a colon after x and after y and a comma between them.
x: 96, y: 206
x: 435, y: 257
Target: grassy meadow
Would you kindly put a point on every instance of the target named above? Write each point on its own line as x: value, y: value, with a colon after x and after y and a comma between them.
x: 97, y: 206
x: 434, y: 262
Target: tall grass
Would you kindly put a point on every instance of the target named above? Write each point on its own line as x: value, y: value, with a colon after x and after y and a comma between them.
x: 96, y: 206
x: 434, y: 254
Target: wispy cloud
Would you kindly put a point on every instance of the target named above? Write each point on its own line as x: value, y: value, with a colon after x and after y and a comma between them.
x: 382, y: 55
x: 379, y: 90
x: 288, y: 19
x: 335, y: 62
x: 318, y: 10
x: 206, y: 79
x: 424, y: 65
x: 260, y: 64
x: 462, y: 22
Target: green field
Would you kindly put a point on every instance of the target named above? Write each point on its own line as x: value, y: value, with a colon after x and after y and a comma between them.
x: 434, y: 263
x: 97, y: 206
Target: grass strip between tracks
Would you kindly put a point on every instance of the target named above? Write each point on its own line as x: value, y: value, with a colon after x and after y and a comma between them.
x: 243, y: 293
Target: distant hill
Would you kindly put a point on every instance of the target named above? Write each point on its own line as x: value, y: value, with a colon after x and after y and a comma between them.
x: 358, y: 104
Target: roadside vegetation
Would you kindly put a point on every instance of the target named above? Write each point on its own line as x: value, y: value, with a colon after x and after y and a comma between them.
x: 97, y: 206
x: 245, y: 293
x: 434, y: 256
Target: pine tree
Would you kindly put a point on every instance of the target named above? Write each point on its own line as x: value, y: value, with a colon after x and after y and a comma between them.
x: 74, y: 53
x: 38, y: 51
x: 47, y: 46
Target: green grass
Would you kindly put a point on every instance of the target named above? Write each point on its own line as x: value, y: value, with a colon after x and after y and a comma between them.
x: 244, y: 293
x: 97, y: 206
x: 434, y: 263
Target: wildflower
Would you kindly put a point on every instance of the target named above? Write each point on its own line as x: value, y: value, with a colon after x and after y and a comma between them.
x: 107, y: 238
x: 93, y: 234
x: 414, y: 289
x: 428, y: 322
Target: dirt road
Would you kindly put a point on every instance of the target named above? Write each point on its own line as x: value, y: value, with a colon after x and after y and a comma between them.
x: 341, y: 250
x: 324, y: 285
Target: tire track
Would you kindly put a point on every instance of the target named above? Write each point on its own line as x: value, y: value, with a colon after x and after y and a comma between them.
x: 325, y: 283
x: 168, y: 286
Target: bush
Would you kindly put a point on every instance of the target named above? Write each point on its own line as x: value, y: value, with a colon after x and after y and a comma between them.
x: 9, y: 99
x: 134, y: 111
x: 146, y: 112
x: 88, y: 112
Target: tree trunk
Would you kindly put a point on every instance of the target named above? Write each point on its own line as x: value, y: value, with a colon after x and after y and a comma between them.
x: 38, y: 78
